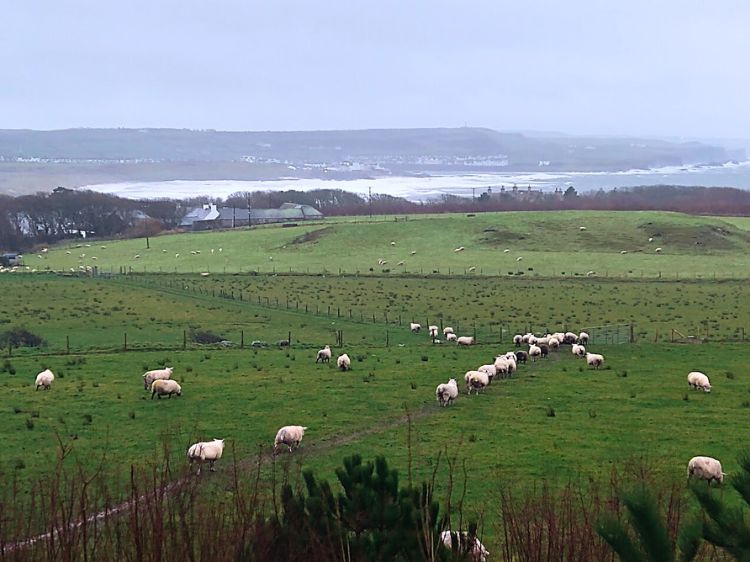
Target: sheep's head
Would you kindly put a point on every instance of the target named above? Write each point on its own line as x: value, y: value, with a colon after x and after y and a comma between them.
x: 707, y: 388
x: 170, y: 370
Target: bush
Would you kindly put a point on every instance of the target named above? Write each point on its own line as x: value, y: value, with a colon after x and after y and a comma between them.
x: 21, y: 337
x: 204, y: 337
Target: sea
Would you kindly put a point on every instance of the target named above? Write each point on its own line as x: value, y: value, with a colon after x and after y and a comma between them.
x: 433, y: 186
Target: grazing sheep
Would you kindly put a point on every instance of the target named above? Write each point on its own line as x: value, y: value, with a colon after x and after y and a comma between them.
x: 447, y: 330
x: 412, y: 252
x: 289, y: 435
x: 465, y: 545
x: 541, y: 341
x: 705, y: 468
x: 44, y: 379
x: 522, y: 356
x: 697, y: 380
x: 578, y: 350
x: 570, y: 338
x: 583, y: 338
x: 150, y: 376
x: 465, y: 340
x: 554, y: 343
x: 534, y: 352
x: 594, y: 360
x: 206, y: 451
x: 165, y: 387
x: 544, y: 349
x: 581, y: 228
x: 415, y: 328
x: 518, y: 340
x: 324, y: 355
x: 459, y: 249
x: 447, y: 392
x: 477, y: 381
x: 401, y: 262
x: 501, y: 366
x: 658, y: 250
x: 433, y: 331
x: 343, y: 362
x: 491, y: 371
x: 519, y: 258
x: 651, y: 239
x: 512, y: 366
x: 451, y: 337
x: 531, y: 339
x: 526, y: 336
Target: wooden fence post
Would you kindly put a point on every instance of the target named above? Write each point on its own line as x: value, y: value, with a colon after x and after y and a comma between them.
x: 242, y: 339
x: 67, y: 345
x: 184, y: 340
x: 125, y: 341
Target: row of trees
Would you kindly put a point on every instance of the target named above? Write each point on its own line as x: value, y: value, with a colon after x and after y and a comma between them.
x: 45, y: 218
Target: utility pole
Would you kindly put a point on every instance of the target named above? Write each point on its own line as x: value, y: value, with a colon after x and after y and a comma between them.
x: 369, y: 199
x: 249, y: 222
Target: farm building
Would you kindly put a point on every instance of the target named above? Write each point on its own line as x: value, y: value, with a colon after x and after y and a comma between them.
x: 210, y: 217
x: 10, y: 259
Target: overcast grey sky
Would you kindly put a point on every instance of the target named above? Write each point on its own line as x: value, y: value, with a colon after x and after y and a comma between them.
x: 646, y: 67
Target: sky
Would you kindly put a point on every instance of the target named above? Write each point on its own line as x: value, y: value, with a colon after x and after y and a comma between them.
x: 668, y: 68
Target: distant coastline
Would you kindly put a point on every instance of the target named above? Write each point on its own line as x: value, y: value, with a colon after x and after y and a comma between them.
x: 435, y: 185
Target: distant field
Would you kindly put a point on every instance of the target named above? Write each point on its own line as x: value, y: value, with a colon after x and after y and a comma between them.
x: 716, y: 309
x: 538, y: 244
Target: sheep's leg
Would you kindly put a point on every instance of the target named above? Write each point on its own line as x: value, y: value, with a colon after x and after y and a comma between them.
x: 211, y: 466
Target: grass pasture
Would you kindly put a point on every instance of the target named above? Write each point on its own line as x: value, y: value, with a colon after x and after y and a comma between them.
x: 713, y: 309
x: 549, y: 245
x: 555, y: 421
x: 638, y: 408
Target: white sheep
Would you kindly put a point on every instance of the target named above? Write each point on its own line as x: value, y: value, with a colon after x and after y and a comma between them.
x: 447, y: 330
x: 534, y: 351
x: 343, y: 362
x: 583, y: 338
x: 465, y: 340
x: 165, y: 387
x: 554, y: 343
x: 489, y: 369
x: 459, y: 249
x: 705, y: 468
x: 518, y: 340
x: 206, y: 451
x: 581, y: 228
x: 44, y: 379
x: 433, y: 331
x: 594, y: 360
x: 697, y: 380
x: 526, y: 336
x: 289, y: 435
x: 415, y: 328
x: 578, y: 350
x: 501, y: 366
x: 451, y: 337
x: 658, y: 250
x: 150, y: 376
x: 570, y: 338
x: 510, y: 357
x: 447, y: 392
x: 477, y: 381
x: 324, y: 355
x: 465, y: 545
x: 519, y: 258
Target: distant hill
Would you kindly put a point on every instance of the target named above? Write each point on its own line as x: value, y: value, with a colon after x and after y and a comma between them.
x: 414, y: 149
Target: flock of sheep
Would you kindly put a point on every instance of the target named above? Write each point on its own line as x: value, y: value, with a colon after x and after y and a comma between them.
x: 701, y: 467
x: 160, y: 383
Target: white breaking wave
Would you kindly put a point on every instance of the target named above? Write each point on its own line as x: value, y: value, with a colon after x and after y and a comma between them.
x: 732, y: 174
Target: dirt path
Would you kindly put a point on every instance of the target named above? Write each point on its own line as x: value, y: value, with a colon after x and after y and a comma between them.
x: 265, y: 460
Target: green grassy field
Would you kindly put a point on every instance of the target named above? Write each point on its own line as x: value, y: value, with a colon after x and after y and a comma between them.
x: 549, y: 245
x: 694, y: 308
x: 639, y: 407
x: 637, y: 410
